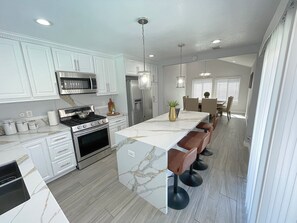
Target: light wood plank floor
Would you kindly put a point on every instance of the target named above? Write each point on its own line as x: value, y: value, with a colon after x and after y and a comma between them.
x: 95, y: 195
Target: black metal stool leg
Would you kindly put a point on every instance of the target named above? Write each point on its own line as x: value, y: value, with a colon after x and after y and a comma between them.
x: 178, y: 198
x: 206, y: 152
x: 199, y: 164
x: 191, y: 178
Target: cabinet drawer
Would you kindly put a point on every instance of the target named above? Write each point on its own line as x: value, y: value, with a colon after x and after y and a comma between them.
x: 58, y: 138
x: 118, y: 121
x: 58, y: 151
x: 63, y: 165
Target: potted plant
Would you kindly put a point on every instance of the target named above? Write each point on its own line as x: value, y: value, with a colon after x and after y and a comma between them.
x: 206, y: 94
x: 172, y: 111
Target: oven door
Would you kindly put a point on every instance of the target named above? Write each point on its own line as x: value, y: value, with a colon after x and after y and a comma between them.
x: 90, y: 142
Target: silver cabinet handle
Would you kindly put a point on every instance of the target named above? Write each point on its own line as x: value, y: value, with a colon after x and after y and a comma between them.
x: 61, y: 151
x: 66, y: 164
x: 78, y: 68
x: 59, y: 139
x: 75, y: 66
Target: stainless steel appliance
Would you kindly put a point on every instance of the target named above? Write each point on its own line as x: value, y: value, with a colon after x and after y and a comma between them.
x: 140, y: 106
x: 76, y: 83
x: 90, y: 134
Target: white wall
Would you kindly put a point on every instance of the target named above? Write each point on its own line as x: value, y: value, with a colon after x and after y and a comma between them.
x: 220, y: 68
x: 169, y: 86
x: 40, y: 108
x: 253, y: 95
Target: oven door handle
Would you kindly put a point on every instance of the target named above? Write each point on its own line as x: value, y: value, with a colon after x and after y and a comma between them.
x: 84, y: 132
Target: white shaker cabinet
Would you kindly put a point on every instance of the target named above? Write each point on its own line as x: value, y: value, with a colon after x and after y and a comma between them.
x: 116, y: 124
x: 14, y: 83
x: 41, y: 71
x: 38, y: 152
x: 106, y: 76
x: 72, y: 61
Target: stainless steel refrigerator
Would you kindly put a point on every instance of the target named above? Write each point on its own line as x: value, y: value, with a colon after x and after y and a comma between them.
x: 140, y: 106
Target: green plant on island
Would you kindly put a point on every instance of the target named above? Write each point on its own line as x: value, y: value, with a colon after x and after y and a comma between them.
x: 173, y: 103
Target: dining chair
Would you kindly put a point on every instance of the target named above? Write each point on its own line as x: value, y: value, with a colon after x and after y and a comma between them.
x: 184, y: 101
x: 227, y: 108
x: 210, y: 105
x: 192, y: 104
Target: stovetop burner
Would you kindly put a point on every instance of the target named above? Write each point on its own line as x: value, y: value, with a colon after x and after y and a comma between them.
x: 75, y: 120
x: 69, y: 117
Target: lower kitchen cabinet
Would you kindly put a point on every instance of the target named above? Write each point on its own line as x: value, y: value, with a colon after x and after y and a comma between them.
x: 53, y: 156
x: 38, y: 152
x: 115, y: 125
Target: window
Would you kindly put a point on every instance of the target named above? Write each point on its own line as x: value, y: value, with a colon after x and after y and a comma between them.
x: 199, y: 86
x: 226, y: 87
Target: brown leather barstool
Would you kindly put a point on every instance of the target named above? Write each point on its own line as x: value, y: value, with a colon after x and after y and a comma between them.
x: 207, y: 127
x: 178, y: 162
x: 193, y: 139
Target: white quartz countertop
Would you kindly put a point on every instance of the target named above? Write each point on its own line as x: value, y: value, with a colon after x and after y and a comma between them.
x: 32, y: 134
x: 162, y: 133
x: 42, y: 206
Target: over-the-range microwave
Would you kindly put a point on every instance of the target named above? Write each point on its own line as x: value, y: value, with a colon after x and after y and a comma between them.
x: 76, y: 82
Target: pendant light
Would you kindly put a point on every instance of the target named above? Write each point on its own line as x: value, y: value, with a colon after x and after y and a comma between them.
x: 180, y: 80
x: 205, y: 74
x: 144, y: 77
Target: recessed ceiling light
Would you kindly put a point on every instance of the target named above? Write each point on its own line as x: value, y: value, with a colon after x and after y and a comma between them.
x: 43, y: 22
x: 216, y: 41
x: 234, y: 61
x: 151, y: 55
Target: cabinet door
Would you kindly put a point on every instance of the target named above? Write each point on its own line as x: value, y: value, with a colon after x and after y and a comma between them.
x: 132, y: 67
x: 100, y: 75
x: 38, y: 153
x: 41, y: 71
x: 112, y: 130
x: 155, y: 99
x: 64, y: 60
x: 84, y: 63
x: 154, y: 73
x: 110, y: 75
x: 14, y: 83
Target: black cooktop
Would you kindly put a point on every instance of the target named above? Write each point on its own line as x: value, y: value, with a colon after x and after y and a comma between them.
x: 76, y: 120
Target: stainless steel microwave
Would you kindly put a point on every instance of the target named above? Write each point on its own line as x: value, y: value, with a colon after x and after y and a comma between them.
x: 76, y: 82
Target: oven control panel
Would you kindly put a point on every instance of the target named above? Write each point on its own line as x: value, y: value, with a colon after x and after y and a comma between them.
x: 90, y: 125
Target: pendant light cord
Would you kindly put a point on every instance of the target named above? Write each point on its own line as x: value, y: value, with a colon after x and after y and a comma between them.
x: 180, y: 67
x: 143, y: 45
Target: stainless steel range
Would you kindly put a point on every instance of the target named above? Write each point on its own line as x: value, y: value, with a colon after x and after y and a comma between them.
x: 90, y: 133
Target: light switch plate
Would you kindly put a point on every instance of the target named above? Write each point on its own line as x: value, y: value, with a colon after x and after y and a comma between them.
x: 131, y: 153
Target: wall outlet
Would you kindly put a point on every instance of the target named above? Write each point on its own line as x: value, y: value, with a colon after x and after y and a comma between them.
x: 29, y: 114
x: 131, y: 153
x: 22, y: 114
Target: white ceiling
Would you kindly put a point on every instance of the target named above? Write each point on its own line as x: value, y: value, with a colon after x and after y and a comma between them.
x: 244, y: 60
x: 110, y: 25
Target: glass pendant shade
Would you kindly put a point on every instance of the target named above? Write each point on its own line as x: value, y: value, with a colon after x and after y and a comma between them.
x: 180, y: 81
x: 144, y: 80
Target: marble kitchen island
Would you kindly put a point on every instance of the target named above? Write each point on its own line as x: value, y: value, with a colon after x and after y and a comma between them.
x: 142, y: 154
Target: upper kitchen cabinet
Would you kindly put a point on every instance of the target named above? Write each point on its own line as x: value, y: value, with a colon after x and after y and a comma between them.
x: 14, y: 83
x: 106, y: 76
x: 132, y: 68
x: 71, y: 61
x: 41, y: 71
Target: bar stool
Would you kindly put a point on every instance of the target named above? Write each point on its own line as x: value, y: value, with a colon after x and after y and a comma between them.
x: 199, y: 140
x: 207, y: 127
x: 178, y: 162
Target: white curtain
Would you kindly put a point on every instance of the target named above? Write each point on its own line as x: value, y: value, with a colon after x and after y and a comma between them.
x: 272, y: 72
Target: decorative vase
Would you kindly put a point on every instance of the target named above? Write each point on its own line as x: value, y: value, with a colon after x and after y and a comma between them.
x: 172, y: 114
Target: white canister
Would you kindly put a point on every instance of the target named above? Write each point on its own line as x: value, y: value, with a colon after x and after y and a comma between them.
x: 33, y: 125
x: 22, y: 126
x: 9, y: 127
x: 53, y: 118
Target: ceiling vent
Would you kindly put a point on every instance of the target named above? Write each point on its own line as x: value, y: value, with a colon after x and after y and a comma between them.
x: 216, y: 47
